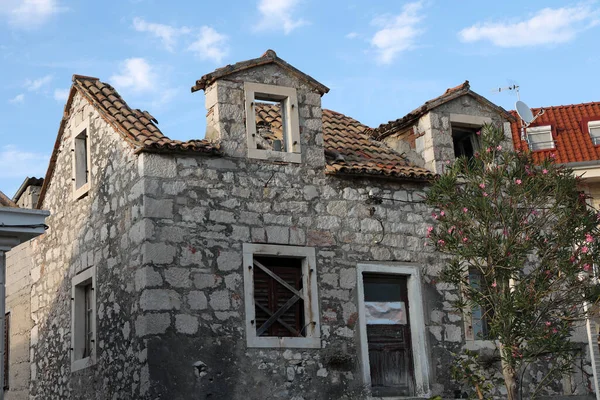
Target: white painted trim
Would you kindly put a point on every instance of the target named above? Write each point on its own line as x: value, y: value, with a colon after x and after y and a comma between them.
x: 83, y: 189
x: 77, y: 332
x: 469, y: 120
x: 417, y: 322
x: 312, y: 340
x: 290, y: 121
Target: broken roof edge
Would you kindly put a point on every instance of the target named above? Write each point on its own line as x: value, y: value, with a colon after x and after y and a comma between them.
x: 388, y: 129
x: 269, y: 57
x: 366, y: 173
x: 29, y: 181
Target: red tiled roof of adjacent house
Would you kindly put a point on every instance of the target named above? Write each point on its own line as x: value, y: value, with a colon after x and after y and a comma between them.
x: 348, y: 149
x: 569, y: 130
x: 452, y: 93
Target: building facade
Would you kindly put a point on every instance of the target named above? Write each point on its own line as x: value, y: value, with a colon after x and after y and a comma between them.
x: 282, y: 257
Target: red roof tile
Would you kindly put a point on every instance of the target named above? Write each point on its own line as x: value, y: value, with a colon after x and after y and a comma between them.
x: 569, y: 129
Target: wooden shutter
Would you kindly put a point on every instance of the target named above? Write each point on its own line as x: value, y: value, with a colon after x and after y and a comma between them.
x: 271, y: 295
x: 6, y: 348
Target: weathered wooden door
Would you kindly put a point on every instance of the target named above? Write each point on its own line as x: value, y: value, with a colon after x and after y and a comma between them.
x: 388, y: 335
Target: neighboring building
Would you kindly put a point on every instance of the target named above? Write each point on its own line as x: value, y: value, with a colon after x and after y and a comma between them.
x: 28, y: 193
x: 282, y: 257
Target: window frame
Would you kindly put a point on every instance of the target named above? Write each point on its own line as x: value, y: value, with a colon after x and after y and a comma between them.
x: 468, y: 318
x: 6, y: 360
x: 290, y: 121
x: 596, y: 126
x: 312, y: 340
x: 79, y: 318
x: 80, y: 188
x: 540, y: 130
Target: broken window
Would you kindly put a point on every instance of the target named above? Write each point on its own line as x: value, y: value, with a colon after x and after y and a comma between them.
x: 465, y: 141
x: 81, y: 160
x: 83, y: 319
x: 281, y: 296
x: 540, y: 138
x: 272, y: 122
x: 477, y: 328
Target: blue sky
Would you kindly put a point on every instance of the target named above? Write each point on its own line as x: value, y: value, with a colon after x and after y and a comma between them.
x: 381, y: 59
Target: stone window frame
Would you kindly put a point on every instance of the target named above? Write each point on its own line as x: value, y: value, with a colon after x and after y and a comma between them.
x: 312, y: 340
x: 417, y: 321
x: 78, y: 316
x: 81, y: 171
x: 540, y: 131
x: 290, y: 121
x: 466, y: 121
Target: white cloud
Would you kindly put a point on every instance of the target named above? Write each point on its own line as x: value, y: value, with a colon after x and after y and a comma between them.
x: 30, y: 14
x: 398, y: 32
x: 166, y: 33
x: 18, y: 99
x: 352, y: 35
x: 137, y: 75
x: 61, y: 94
x: 279, y: 14
x: 547, y: 26
x: 36, y: 84
x: 16, y: 163
x: 210, y: 45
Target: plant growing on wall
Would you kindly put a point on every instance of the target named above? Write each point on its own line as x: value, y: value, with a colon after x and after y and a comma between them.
x: 526, y: 231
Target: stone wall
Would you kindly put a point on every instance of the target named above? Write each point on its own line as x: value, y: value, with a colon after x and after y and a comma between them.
x: 29, y: 197
x: 98, y: 229
x: 18, y: 304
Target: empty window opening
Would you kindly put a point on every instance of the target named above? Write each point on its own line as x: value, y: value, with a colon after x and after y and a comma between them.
x: 465, y: 141
x: 594, y: 129
x: 81, y: 160
x: 83, y: 320
x: 278, y: 302
x: 270, y: 125
x: 540, y: 138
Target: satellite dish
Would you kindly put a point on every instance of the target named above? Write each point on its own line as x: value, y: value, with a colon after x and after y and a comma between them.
x: 524, y: 112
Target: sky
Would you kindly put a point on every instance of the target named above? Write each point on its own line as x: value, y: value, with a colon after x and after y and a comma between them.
x: 381, y: 59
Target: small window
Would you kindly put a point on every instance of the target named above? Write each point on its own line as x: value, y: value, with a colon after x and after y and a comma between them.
x: 540, y: 138
x: 83, y: 320
x: 272, y: 122
x: 465, y: 141
x: 594, y: 129
x: 477, y: 325
x: 81, y: 160
x: 6, y: 348
x: 280, y: 287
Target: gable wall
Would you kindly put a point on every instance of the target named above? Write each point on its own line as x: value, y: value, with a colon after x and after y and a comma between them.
x: 94, y: 230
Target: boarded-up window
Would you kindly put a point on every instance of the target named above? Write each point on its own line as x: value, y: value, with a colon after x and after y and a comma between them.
x: 279, y: 312
x: 6, y: 348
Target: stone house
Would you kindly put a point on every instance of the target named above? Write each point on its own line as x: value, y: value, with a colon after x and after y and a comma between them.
x: 282, y: 257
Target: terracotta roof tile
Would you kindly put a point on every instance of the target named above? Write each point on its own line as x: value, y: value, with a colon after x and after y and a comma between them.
x: 348, y: 149
x: 569, y: 130
x: 138, y: 127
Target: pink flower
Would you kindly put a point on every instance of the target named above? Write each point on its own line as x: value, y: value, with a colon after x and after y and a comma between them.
x: 482, y: 185
x: 544, y: 171
x: 429, y: 229
x: 494, y: 284
x: 589, y: 238
x: 548, y: 323
x: 435, y: 216
x: 465, y: 240
x: 447, y: 162
x: 552, y: 155
x: 518, y: 181
x: 499, y: 148
x: 478, y: 133
x: 485, y: 194
x: 586, y: 267
x: 584, y: 249
x: 554, y: 330
x: 488, y: 149
x: 451, y: 229
x: 465, y: 209
x: 441, y: 242
x: 442, y: 214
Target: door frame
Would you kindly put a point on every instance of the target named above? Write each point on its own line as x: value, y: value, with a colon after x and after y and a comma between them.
x: 417, y: 321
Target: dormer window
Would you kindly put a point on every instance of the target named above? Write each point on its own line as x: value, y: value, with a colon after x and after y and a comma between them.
x: 272, y: 127
x: 465, y: 141
x: 594, y: 130
x: 540, y: 138
x: 81, y: 159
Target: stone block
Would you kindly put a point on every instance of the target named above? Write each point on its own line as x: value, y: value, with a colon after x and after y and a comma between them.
x: 159, y: 166
x: 160, y: 299
x: 178, y: 277
x: 229, y: 260
x: 187, y: 324
x: 278, y: 234
x: 220, y: 300
x: 202, y: 281
x: 197, y: 300
x: 158, y: 253
x: 152, y: 324
x: 348, y: 278
x: 147, y: 277
x: 157, y: 208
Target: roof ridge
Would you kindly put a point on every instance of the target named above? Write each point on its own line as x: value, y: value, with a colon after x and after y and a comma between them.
x: 84, y: 77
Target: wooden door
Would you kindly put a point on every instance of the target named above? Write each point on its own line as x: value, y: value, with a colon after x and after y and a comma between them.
x: 388, y: 335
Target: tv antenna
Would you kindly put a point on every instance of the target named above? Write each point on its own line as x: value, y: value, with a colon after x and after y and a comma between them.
x: 513, y: 87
